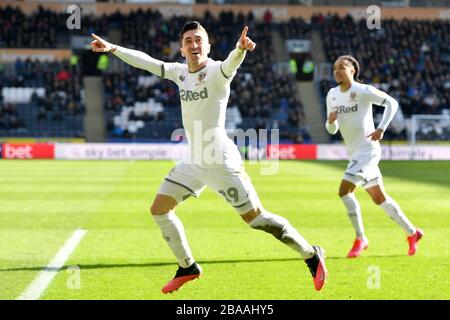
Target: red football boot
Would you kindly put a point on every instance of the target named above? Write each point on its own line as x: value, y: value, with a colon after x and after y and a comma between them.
x: 316, y: 265
x: 358, y: 247
x: 182, y: 276
x: 413, y: 241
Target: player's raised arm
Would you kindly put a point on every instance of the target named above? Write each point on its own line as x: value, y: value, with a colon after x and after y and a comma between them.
x: 236, y: 57
x: 135, y: 58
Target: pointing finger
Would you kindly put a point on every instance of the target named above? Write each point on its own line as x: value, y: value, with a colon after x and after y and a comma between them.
x: 244, y: 32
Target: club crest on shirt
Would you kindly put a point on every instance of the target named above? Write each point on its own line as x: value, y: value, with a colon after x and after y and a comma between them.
x: 352, y: 96
x: 201, y: 78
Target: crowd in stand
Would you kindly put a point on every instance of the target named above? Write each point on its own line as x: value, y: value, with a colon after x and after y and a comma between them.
x: 295, y: 28
x: 9, y: 118
x: 44, y: 28
x: 62, y: 83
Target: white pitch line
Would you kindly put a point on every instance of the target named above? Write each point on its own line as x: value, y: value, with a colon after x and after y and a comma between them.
x: 45, y: 277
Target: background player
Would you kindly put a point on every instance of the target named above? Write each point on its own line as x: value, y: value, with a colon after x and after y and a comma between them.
x: 204, y: 91
x: 349, y: 109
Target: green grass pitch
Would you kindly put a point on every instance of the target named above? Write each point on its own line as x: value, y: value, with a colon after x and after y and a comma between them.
x: 123, y: 255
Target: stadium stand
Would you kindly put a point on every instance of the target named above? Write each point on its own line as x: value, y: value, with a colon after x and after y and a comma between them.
x: 41, y: 100
x: 408, y: 58
x: 43, y: 28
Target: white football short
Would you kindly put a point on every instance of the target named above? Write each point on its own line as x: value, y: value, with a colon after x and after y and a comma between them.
x: 363, y: 170
x: 234, y: 185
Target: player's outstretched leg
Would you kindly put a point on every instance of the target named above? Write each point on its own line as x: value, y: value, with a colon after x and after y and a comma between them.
x: 182, y: 276
x: 395, y: 212
x: 354, y: 213
x: 173, y: 232
x: 281, y: 229
x: 347, y: 195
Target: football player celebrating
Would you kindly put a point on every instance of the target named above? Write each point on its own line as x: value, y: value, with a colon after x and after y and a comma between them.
x: 349, y: 109
x: 214, y: 161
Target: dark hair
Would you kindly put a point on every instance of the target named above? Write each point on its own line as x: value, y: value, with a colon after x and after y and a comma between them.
x: 355, y: 64
x: 191, y: 25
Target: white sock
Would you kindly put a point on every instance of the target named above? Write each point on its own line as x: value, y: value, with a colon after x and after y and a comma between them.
x: 395, y: 213
x: 173, y: 232
x: 281, y: 229
x: 354, y: 213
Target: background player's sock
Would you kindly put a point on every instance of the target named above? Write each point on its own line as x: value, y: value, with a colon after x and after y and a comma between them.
x: 395, y: 213
x: 354, y: 213
x: 173, y: 232
x: 281, y: 229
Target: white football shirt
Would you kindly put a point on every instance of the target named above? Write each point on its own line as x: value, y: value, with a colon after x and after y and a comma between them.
x: 204, y: 97
x: 354, y: 115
